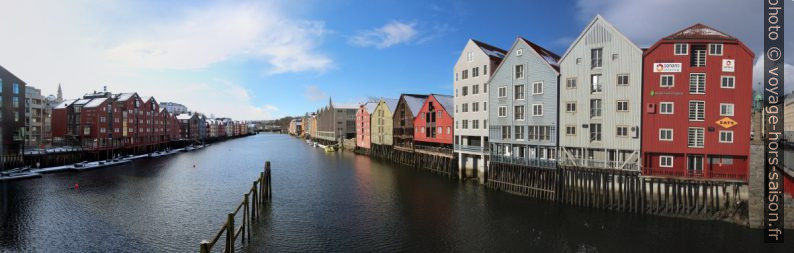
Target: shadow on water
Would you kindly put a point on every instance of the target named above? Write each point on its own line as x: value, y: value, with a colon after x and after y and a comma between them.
x: 323, y: 202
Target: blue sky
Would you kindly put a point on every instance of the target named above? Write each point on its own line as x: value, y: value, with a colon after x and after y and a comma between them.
x: 267, y: 59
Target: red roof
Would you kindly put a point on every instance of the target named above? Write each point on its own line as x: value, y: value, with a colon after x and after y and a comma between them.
x: 699, y: 32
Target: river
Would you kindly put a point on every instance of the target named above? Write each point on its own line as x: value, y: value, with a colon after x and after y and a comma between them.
x: 323, y: 202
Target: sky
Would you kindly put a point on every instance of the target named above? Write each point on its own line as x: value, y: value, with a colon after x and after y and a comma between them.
x: 253, y: 60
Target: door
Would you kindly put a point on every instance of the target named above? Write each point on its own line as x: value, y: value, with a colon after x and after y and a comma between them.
x: 695, y: 164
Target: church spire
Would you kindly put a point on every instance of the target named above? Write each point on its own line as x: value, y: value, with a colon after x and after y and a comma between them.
x: 59, y: 98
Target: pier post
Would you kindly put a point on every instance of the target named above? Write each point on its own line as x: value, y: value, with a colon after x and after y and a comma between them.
x: 246, y: 221
x: 230, y: 233
x: 204, y: 247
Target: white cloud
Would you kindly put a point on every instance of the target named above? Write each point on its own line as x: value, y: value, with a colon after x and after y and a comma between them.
x: 216, y: 33
x: 390, y: 34
x: 157, y: 51
x: 314, y: 93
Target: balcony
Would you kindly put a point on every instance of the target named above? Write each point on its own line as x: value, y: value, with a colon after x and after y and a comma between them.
x: 468, y: 148
x: 531, y: 162
x: 592, y: 163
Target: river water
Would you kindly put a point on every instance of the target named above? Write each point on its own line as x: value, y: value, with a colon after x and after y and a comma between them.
x: 323, y: 202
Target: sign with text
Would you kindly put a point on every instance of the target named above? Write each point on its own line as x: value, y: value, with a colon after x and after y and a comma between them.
x: 728, y: 65
x: 726, y: 122
x: 666, y: 67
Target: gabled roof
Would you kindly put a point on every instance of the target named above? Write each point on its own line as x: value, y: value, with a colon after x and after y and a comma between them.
x: 699, y: 32
x: 446, y: 102
x: 391, y: 103
x: 587, y: 28
x: 493, y: 52
x: 551, y: 58
x: 124, y: 96
x: 82, y: 101
x: 95, y: 102
x: 414, y: 102
x: 370, y: 106
x: 12, y: 74
x: 65, y: 103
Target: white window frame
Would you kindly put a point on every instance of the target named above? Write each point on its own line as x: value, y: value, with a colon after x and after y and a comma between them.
x: 675, y: 48
x: 469, y: 57
x: 523, y: 113
x: 571, y: 127
x: 661, y: 81
x: 568, y: 83
x: 733, y: 83
x: 662, y: 158
x: 703, y: 130
x: 541, y: 110
x: 501, y: 92
x: 523, y: 92
x: 617, y: 106
x: 628, y: 80
x: 520, y: 52
x: 726, y: 132
x: 622, y: 136
x: 663, y: 130
x: 733, y: 112
x: 501, y: 111
x: 704, y: 83
x: 515, y: 71
x: 703, y: 116
x: 672, y: 108
x: 716, y: 44
x: 570, y: 103
x: 540, y: 84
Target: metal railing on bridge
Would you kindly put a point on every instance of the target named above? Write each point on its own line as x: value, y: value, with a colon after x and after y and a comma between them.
x: 469, y: 148
x: 532, y: 162
x: 259, y: 194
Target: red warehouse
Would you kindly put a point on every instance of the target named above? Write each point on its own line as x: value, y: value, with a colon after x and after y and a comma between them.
x: 362, y: 124
x: 697, y: 95
x: 433, y: 126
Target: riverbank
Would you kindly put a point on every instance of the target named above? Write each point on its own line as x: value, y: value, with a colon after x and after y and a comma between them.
x: 610, y: 190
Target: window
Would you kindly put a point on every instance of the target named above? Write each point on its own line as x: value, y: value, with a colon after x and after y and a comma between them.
x: 728, y: 82
x: 537, y: 110
x: 502, y: 92
x: 465, y: 91
x: 485, y: 88
x: 475, y: 89
x: 519, y: 132
x: 465, y: 124
x: 681, y: 49
x: 595, y: 83
x: 614, y: 57
x: 578, y: 61
x: 726, y: 109
x: 623, y: 105
x: 520, y: 52
x: 465, y: 107
x: 475, y: 124
x: 519, y: 92
x: 469, y: 57
x: 439, y: 130
x: 697, y: 110
x: 595, y: 57
x: 666, y: 134
x: 475, y: 107
x: 475, y: 72
x: 16, y: 88
x: 537, y: 88
x: 623, y: 79
x: 698, y: 57
x: 622, y: 131
x: 697, y: 83
x: 15, y: 102
x: 595, y: 132
x: 484, y: 69
x: 696, y: 137
x: 570, y: 107
x: 502, y: 111
x: 465, y: 74
x: 666, y: 161
x: 715, y: 49
x: 518, y: 112
x: 726, y: 136
x: 595, y: 108
x: 666, y: 108
x: 667, y: 81
x: 505, y: 132
x: 485, y: 106
x: 519, y: 72
x: 570, y: 130
x: 87, y: 130
x: 570, y: 83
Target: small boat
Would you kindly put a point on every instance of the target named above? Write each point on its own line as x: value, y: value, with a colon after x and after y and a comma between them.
x: 330, y: 149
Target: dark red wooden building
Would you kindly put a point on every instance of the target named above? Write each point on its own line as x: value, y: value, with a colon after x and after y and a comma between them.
x: 435, y: 123
x: 697, y: 94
